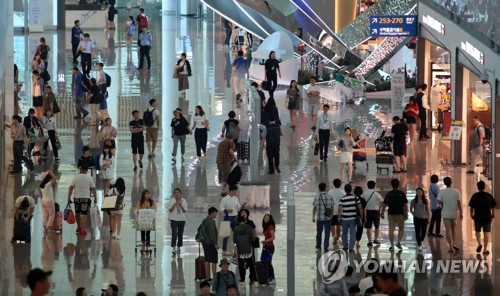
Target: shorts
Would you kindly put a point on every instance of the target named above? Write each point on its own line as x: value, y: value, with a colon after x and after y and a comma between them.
x: 82, y: 205
x: 345, y: 157
x: 449, y: 220
x: 372, y: 218
x: 313, y: 109
x: 398, y: 220
x: 399, y: 150
x: 224, y: 170
x: 335, y: 220
x: 37, y: 101
x: 138, y: 146
x: 411, y: 120
x: 482, y: 224
x: 211, y: 255
x: 151, y: 134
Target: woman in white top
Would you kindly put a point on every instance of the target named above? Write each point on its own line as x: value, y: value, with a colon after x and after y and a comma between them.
x: 115, y: 220
x: 177, y: 209
x: 106, y: 162
x: 48, y: 203
x: 346, y: 145
x: 200, y: 123
x: 109, y: 133
x: 38, y: 64
x: 49, y: 122
x: 183, y: 68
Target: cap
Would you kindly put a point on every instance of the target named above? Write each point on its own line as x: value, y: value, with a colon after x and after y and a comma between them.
x: 178, y: 110
x: 224, y: 261
x: 104, y: 286
x: 36, y: 275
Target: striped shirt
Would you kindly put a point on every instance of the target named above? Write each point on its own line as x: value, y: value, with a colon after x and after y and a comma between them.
x: 322, y: 201
x: 349, y: 204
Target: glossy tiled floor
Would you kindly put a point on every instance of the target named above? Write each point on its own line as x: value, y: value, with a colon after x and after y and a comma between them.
x: 96, y: 259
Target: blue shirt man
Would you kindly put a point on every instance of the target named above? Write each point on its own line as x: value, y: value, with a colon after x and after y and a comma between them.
x: 76, y: 32
x: 145, y: 38
x: 240, y: 66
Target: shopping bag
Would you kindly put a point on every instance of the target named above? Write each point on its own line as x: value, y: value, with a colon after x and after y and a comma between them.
x: 110, y: 203
x: 225, y: 229
x: 95, y: 217
x: 69, y: 215
x: 316, y: 148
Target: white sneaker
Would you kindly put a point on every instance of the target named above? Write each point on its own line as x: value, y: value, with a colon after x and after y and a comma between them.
x: 117, y: 237
x: 272, y: 282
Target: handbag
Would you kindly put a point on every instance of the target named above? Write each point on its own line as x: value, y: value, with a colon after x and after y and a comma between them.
x: 112, y: 202
x: 175, y: 75
x: 224, y: 229
x: 316, y: 148
x: 69, y: 215
x: 58, y: 143
x: 256, y: 243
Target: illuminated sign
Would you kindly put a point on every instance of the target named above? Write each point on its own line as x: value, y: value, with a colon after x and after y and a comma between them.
x: 393, y: 25
x: 434, y: 24
x: 473, y: 52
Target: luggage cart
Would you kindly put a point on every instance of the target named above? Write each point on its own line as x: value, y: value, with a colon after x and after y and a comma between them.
x: 359, y: 154
x: 384, y: 157
x: 145, y: 221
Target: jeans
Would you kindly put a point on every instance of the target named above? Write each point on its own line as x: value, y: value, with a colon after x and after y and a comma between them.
x: 176, y: 142
x: 273, y: 84
x: 324, y: 141
x: 232, y: 220
x: 273, y: 157
x: 435, y: 219
x: 270, y: 268
x: 323, y: 226
x: 251, y: 266
x: 48, y: 211
x: 420, y: 228
x: 145, y: 237
x: 349, y: 226
x: 86, y: 63
x: 201, y: 138
x: 144, y: 51
x: 78, y: 101
x: 177, y: 232
x: 18, y: 151
x: 52, y: 138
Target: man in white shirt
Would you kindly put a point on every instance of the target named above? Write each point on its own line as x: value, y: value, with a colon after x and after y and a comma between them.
x: 101, y: 78
x: 152, y: 131
x: 374, y: 202
x: 313, y: 93
x: 450, y: 200
x: 230, y: 206
x: 86, y: 47
x: 82, y: 185
x: 336, y: 193
x: 325, y: 128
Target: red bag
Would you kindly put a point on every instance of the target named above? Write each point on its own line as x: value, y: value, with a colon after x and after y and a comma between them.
x: 71, y: 217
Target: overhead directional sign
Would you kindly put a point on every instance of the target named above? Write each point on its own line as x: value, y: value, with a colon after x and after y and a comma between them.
x: 393, y: 25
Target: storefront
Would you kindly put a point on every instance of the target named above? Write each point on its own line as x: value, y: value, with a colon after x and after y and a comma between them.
x: 459, y: 67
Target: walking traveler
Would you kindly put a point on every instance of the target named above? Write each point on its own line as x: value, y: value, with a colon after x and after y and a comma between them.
x: 152, y: 120
x: 451, y: 202
x: 293, y: 97
x: 177, y: 209
x: 325, y: 127
x: 183, y: 68
x: 349, y: 208
x: 272, y: 70
x: 49, y: 179
x: 272, y: 133
x: 146, y: 202
x: 180, y: 128
x: 322, y: 216
x: 145, y: 40
x: 419, y: 208
x: 435, y: 208
x: 397, y: 213
x: 374, y: 203
x: 200, y: 127
x: 86, y: 49
x: 482, y: 212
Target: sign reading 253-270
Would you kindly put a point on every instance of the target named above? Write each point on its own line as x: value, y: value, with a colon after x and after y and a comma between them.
x: 393, y: 25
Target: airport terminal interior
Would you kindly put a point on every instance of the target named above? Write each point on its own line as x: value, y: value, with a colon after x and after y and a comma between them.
x: 200, y: 29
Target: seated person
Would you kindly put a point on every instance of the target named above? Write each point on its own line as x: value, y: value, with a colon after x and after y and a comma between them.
x: 24, y: 207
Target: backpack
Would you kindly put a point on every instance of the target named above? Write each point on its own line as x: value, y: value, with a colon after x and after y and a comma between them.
x: 44, y: 52
x: 148, y: 117
x: 108, y: 79
x: 362, y: 201
x: 487, y: 132
x: 232, y: 129
x: 143, y: 21
x: 201, y: 234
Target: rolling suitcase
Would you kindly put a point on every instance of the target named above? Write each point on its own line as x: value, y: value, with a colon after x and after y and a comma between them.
x: 57, y: 225
x: 262, y: 271
x: 359, y: 156
x: 22, y: 231
x: 243, y: 150
x: 199, y: 266
x: 384, y: 158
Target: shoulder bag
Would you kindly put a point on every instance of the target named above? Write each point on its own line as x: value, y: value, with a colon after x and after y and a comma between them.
x: 328, y: 211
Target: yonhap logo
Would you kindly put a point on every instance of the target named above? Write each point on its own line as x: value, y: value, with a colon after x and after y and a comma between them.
x: 332, y: 266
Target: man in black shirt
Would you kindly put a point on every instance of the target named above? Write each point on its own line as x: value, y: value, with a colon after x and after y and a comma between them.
x: 271, y: 67
x: 482, y: 211
x: 272, y: 134
x: 137, y: 127
x: 397, y: 212
x: 399, y: 132
x: 423, y: 108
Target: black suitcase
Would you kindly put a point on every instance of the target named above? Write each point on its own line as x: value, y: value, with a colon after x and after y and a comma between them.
x: 262, y: 271
x: 22, y: 231
x: 384, y: 159
x: 243, y: 150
